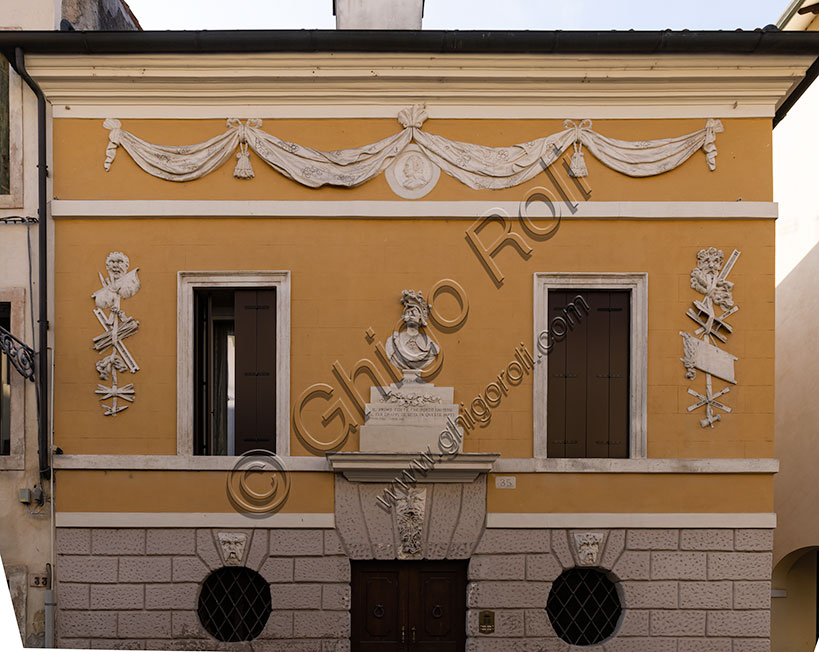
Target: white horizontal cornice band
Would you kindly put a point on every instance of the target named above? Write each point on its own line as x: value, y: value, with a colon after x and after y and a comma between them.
x: 488, y: 86
x: 763, y: 520
x: 192, y: 519
x: 170, y: 208
x: 507, y: 465
x: 645, y: 465
x: 493, y: 520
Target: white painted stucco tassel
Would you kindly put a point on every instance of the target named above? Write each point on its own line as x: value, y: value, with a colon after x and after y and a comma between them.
x: 243, y: 168
x: 577, y: 168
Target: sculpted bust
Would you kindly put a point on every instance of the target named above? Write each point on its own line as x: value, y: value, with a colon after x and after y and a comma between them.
x: 411, y: 350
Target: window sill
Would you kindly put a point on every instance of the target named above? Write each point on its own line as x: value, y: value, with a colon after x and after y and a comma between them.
x: 642, y: 465
x: 501, y: 465
x: 178, y: 462
x: 12, y: 463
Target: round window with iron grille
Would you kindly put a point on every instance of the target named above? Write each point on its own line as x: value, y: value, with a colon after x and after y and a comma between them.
x: 234, y: 604
x: 583, y: 606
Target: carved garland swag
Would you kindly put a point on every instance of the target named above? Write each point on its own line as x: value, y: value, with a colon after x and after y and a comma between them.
x: 476, y: 166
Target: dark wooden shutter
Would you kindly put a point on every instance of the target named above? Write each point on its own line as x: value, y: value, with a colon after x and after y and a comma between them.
x: 255, y: 329
x: 201, y: 369
x: 556, y: 385
x: 588, y: 377
x: 619, y: 373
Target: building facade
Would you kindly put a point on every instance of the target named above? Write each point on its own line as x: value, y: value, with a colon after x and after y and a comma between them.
x: 382, y: 340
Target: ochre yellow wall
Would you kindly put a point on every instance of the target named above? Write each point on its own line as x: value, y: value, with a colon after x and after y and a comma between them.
x: 562, y: 493
x: 165, y: 491
x: 347, y: 276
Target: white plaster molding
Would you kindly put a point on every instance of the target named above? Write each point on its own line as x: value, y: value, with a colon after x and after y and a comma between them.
x: 476, y: 166
x: 186, y: 282
x: 470, y: 210
x: 710, y: 315
x: 117, y: 326
x: 644, y: 465
x: 232, y: 546
x: 15, y: 460
x: 384, y: 467
x: 138, y: 110
x: 412, y: 175
x: 193, y: 519
x: 513, y: 86
x: 637, y: 284
x: 631, y: 520
x: 501, y: 465
x: 181, y: 462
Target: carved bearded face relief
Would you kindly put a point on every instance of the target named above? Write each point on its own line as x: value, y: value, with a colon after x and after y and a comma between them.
x: 412, y: 315
x: 117, y: 264
x: 233, y: 547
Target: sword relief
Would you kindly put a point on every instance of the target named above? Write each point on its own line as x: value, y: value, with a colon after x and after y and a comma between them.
x: 120, y: 284
x: 700, y: 350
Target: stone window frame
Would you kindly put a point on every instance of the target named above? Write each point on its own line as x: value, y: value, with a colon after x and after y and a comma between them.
x: 14, y: 199
x: 15, y: 461
x: 637, y: 284
x: 187, y: 282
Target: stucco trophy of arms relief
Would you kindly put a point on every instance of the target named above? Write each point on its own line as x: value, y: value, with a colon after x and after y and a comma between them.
x: 411, y: 158
x: 701, y: 350
x: 120, y: 284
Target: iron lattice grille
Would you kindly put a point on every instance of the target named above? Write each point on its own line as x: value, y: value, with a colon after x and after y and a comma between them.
x: 234, y: 604
x: 583, y: 606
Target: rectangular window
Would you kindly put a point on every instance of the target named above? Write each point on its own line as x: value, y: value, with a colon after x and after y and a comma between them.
x: 234, y: 370
x: 591, y: 331
x: 5, y: 385
x: 588, y: 374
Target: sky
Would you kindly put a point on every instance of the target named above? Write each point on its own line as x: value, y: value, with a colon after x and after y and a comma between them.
x: 469, y: 14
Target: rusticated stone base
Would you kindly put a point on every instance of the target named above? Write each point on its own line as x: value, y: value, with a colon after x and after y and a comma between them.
x: 682, y: 590
x: 137, y: 588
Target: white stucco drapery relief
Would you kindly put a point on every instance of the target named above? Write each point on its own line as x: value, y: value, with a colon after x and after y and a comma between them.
x: 700, y: 350
x: 120, y: 284
x: 417, y: 154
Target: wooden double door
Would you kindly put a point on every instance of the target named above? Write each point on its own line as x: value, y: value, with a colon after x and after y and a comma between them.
x: 408, y: 606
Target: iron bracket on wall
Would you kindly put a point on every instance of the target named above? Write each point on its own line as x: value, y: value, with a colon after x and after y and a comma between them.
x: 20, y: 354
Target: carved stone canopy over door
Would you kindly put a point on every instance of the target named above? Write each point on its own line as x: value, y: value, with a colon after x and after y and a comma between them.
x: 433, y: 521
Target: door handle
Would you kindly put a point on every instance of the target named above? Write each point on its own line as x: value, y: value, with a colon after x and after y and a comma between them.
x: 403, y: 633
x: 412, y: 634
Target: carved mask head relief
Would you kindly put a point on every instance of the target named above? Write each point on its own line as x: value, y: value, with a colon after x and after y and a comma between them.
x: 117, y: 264
x: 233, y: 547
x: 588, y: 546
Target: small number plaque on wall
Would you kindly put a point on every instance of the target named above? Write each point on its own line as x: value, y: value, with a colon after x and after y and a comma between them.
x: 486, y: 622
x: 505, y: 482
